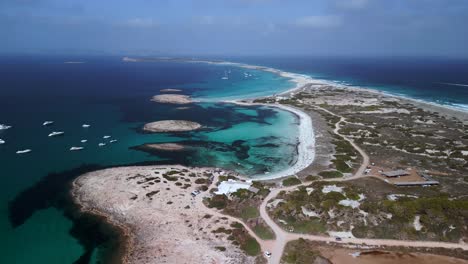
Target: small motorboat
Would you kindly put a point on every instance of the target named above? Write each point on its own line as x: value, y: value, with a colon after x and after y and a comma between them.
x: 4, y: 127
x: 101, y: 144
x: 56, y: 133
x: 84, y: 141
x: 2, y: 141
x: 76, y: 148
x: 225, y: 77
x: 113, y: 141
x: 24, y: 151
x: 85, y: 125
x: 47, y: 123
x: 106, y: 137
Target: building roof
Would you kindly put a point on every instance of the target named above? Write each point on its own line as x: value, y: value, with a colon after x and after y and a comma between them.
x: 231, y: 186
x: 395, y: 173
x: 417, y: 183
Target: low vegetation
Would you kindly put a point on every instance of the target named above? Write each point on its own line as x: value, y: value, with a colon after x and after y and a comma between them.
x: 291, y: 181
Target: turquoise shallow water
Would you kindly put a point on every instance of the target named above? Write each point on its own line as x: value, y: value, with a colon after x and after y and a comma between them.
x: 113, y: 97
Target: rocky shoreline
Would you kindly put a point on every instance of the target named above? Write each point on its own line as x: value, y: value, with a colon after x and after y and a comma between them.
x: 181, y: 230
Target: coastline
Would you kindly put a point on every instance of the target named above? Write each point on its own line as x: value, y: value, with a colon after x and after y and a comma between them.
x: 125, y: 239
x: 306, y: 152
x: 122, y: 196
x: 305, y: 148
x: 302, y: 80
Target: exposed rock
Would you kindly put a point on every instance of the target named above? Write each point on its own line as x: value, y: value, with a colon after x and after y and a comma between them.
x: 171, y: 126
x: 172, y: 99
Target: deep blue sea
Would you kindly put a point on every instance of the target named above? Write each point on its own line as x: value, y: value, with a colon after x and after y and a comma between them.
x: 436, y: 80
x: 114, y: 98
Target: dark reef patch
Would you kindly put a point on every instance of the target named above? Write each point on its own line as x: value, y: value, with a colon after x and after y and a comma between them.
x: 241, y: 149
x: 267, y: 145
x: 44, y: 193
x: 91, y: 231
x: 218, y: 116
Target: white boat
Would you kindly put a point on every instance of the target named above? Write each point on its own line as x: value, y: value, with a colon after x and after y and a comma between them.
x: 23, y: 151
x: 106, y: 137
x: 225, y: 77
x: 55, y: 133
x: 101, y: 144
x: 4, y: 127
x: 76, y: 148
x: 85, y: 125
x: 47, y: 123
x: 113, y: 141
x: 2, y: 141
x: 84, y: 141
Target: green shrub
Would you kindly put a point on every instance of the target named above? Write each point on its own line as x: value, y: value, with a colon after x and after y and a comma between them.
x: 331, y: 174
x: 291, y: 181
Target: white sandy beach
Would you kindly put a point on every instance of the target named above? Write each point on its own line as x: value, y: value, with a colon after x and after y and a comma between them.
x: 306, y: 153
x: 305, y: 148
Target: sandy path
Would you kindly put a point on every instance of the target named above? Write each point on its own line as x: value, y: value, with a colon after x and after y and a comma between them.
x: 283, y: 237
x: 365, y: 157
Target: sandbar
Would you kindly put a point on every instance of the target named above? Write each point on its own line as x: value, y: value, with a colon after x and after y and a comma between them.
x: 171, y: 126
x: 172, y: 99
x: 170, y: 90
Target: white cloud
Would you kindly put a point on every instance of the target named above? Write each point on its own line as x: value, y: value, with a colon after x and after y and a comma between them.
x: 141, y: 23
x: 352, y: 4
x: 205, y: 20
x: 326, y: 21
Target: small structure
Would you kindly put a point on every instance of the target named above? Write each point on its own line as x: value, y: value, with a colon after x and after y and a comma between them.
x: 396, y: 173
x: 423, y: 183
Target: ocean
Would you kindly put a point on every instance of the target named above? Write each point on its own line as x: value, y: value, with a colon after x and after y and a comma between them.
x: 442, y: 81
x: 114, y: 98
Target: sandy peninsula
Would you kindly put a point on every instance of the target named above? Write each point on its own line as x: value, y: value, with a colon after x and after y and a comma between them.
x: 162, y: 221
x: 170, y: 90
x: 172, y: 99
x: 171, y: 126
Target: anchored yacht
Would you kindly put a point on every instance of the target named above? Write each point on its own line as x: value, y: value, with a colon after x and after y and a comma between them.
x: 54, y: 134
x: 106, y: 137
x: 23, y: 151
x: 2, y: 141
x: 113, y: 141
x: 4, y: 127
x: 76, y: 148
x: 101, y: 144
x: 47, y: 123
x: 84, y: 141
x: 225, y: 77
x: 85, y: 125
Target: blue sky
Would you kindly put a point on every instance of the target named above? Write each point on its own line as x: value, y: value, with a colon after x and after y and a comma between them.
x: 236, y: 27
